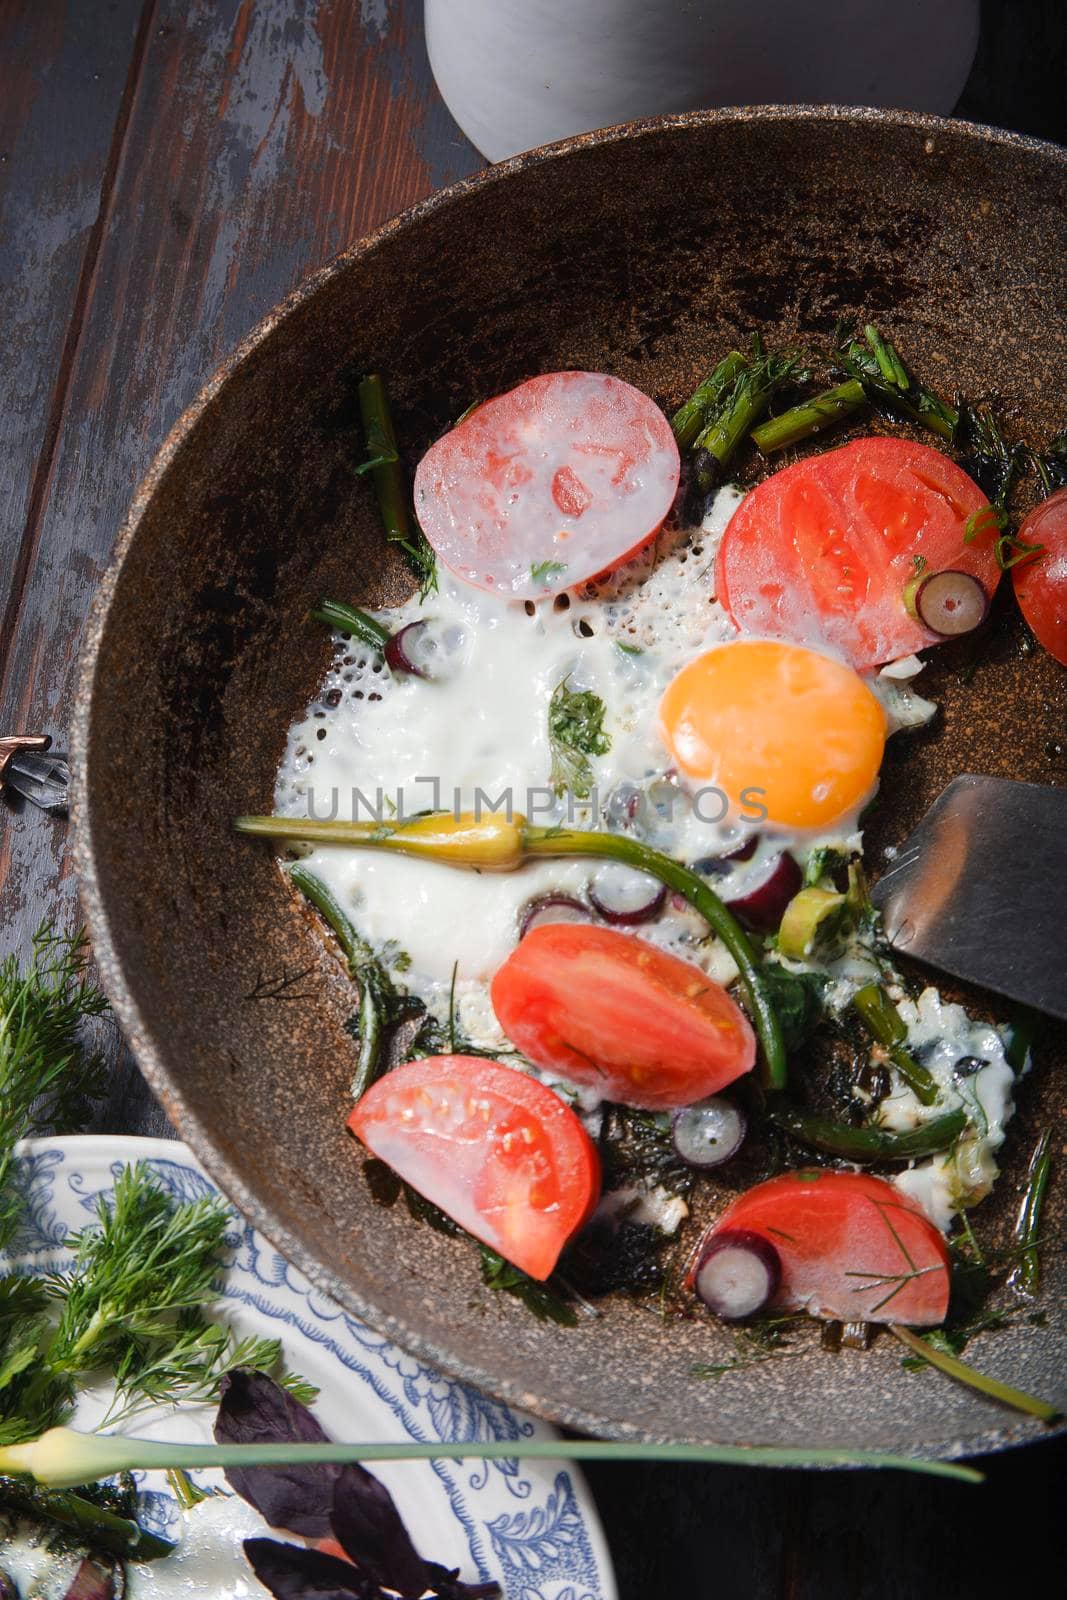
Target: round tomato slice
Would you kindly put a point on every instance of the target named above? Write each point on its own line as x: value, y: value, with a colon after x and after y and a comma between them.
x: 495, y: 1149
x: 612, y: 1012
x: 1041, y: 584
x: 550, y: 484
x: 821, y: 552
x: 852, y: 1247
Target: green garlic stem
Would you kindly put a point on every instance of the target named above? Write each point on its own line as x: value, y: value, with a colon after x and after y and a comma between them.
x: 864, y: 1145
x: 1027, y: 1274
x: 886, y: 1026
x: 811, y: 416
x: 64, y: 1457
x: 691, y: 417
x: 349, y: 619
x: 963, y: 1372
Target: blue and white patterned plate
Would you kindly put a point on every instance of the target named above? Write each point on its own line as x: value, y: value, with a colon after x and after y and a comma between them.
x: 530, y: 1525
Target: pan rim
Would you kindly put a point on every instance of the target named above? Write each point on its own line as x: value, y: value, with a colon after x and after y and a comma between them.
x: 106, y: 946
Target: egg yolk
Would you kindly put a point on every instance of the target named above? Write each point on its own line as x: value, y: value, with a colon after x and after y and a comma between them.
x: 776, y: 725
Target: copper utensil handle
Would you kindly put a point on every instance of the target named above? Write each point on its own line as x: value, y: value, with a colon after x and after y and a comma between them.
x: 15, y: 742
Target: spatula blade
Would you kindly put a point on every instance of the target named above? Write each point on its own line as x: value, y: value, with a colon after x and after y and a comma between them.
x: 980, y: 889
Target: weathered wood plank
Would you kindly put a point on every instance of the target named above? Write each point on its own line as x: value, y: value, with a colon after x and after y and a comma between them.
x: 64, y: 78
x: 262, y: 138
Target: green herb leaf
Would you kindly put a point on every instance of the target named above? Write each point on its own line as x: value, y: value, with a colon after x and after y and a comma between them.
x: 637, y: 1151
x: 822, y: 864
x: 798, y: 1000
x: 545, y: 571
x: 761, y: 1340
x: 48, y: 1077
x: 384, y: 1005
x: 544, y: 1301
x: 575, y: 732
x: 130, y: 1306
x: 991, y: 461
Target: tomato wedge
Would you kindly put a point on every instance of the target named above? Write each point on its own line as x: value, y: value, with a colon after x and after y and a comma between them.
x: 1041, y: 585
x: 610, y: 1011
x: 821, y: 552
x: 851, y: 1246
x: 548, y: 485
x: 495, y: 1149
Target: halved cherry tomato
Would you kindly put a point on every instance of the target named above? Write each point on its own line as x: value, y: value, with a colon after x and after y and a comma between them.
x: 495, y: 1149
x: 821, y: 552
x: 1041, y: 585
x: 550, y: 484
x: 852, y: 1247
x: 610, y: 1011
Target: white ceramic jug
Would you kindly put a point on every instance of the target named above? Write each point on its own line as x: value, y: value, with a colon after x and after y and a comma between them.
x: 519, y: 73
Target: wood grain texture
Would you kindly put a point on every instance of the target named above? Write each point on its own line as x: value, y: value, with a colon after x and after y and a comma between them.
x: 262, y: 137
x: 64, y: 80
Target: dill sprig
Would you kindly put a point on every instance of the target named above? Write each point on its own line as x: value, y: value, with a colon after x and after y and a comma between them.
x: 542, y: 1299
x: 766, y: 1339
x: 48, y: 1077
x: 130, y: 1307
x: 575, y: 732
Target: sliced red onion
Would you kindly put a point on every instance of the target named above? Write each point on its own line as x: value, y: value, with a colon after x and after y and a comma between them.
x: 720, y: 866
x: 624, y: 804
x: 738, y: 1273
x: 92, y: 1581
x: 951, y: 603
x: 624, y: 896
x: 744, y: 851
x: 710, y: 1132
x: 552, y: 908
x: 760, y: 908
x: 425, y: 650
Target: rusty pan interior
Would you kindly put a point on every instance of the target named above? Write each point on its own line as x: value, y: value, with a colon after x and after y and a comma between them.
x: 647, y: 252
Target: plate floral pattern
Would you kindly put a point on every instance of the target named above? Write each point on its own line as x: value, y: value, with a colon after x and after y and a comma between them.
x: 530, y: 1525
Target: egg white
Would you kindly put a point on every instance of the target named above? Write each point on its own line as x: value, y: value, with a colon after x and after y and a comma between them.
x: 378, y: 743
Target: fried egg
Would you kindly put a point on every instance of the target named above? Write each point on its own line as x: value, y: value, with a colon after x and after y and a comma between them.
x: 719, y: 737
x: 648, y: 638
x: 796, y: 728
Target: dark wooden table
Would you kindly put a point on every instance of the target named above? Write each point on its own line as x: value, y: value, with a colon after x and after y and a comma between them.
x: 168, y: 170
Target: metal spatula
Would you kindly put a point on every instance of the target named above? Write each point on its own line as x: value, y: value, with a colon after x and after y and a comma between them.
x: 980, y: 889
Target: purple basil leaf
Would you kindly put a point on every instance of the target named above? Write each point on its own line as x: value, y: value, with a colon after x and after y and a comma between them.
x: 367, y: 1526
x: 446, y: 1584
x: 253, y: 1409
x: 293, y: 1572
x: 92, y: 1582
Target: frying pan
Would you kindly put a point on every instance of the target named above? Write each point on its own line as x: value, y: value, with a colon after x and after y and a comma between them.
x: 646, y: 251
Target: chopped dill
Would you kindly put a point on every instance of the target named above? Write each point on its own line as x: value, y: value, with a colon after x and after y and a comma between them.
x: 545, y: 571
x: 768, y: 1339
x: 48, y: 1076
x: 575, y: 732
x: 543, y: 1299
x: 131, y: 1306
